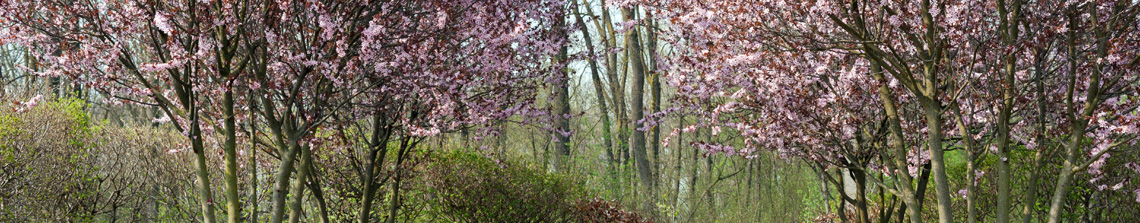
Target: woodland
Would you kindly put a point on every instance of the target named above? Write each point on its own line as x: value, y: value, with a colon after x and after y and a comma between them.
x: 570, y: 111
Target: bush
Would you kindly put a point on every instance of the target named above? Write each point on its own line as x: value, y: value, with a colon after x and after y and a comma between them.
x: 58, y: 165
x: 465, y: 187
x: 47, y: 171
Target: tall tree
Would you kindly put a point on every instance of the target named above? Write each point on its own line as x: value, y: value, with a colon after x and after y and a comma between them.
x: 599, y: 87
x: 561, y: 105
x: 637, y: 107
x: 181, y: 58
x: 1098, y: 74
x: 304, y: 61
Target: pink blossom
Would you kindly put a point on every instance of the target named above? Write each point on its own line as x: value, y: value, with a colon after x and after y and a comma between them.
x: 163, y: 119
x: 28, y: 105
x: 163, y: 23
x: 1133, y: 166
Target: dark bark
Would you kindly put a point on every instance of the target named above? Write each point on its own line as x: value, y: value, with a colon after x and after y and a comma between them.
x: 637, y: 141
x: 561, y: 108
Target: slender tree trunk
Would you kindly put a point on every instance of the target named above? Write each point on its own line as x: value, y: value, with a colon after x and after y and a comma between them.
x: 617, y: 86
x: 607, y: 39
x: 1073, y: 149
x: 365, y: 213
x: 295, y: 209
x: 281, y: 184
x: 937, y: 162
x: 1032, y: 187
x: 842, y: 188
x: 394, y: 206
x: 637, y: 141
x: 1039, y: 152
x: 920, y: 190
x: 562, y: 110
x: 885, y: 210
x: 1004, y: 171
x: 195, y: 134
x: 928, y: 96
x: 1064, y: 181
x: 233, y: 202
x: 377, y: 155
x: 599, y: 91
x: 677, y: 167
x: 1078, y: 121
x: 826, y: 192
x: 971, y: 163
x: 899, y: 148
x: 318, y: 195
x: 1009, y: 28
x: 204, y: 190
x: 655, y: 89
x: 253, y: 199
x: 860, y: 178
x: 694, y: 167
x: 253, y: 162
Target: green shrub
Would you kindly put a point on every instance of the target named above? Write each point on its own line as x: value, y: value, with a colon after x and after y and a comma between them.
x: 58, y: 164
x: 464, y: 187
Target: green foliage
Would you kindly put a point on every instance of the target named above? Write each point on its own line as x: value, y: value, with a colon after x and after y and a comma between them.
x: 9, y: 125
x: 64, y: 165
x: 80, y: 125
x: 465, y: 187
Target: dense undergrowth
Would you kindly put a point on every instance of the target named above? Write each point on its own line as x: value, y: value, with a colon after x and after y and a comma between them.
x: 60, y: 164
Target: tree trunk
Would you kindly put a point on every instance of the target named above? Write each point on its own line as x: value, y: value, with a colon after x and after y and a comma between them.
x: 253, y: 199
x: 1039, y: 152
x: 1078, y: 121
x: 971, y: 163
x: 826, y: 193
x: 378, y: 146
x: 920, y: 191
x: 561, y: 109
x: 1009, y: 34
x: 204, y: 190
x: 365, y: 213
x: 617, y: 87
x: 1064, y: 180
x: 928, y: 96
x: 394, y: 206
x: 318, y: 195
x: 233, y: 202
x: 860, y: 178
x: 694, y: 167
x: 299, y: 182
x: 971, y: 188
x: 599, y: 91
x: 677, y: 167
x: 898, y: 146
x: 937, y: 162
x: 281, y: 184
x: 842, y: 188
x: 637, y: 141
x: 655, y: 89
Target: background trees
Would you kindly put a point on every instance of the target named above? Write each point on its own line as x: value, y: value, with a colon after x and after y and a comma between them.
x: 862, y: 111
